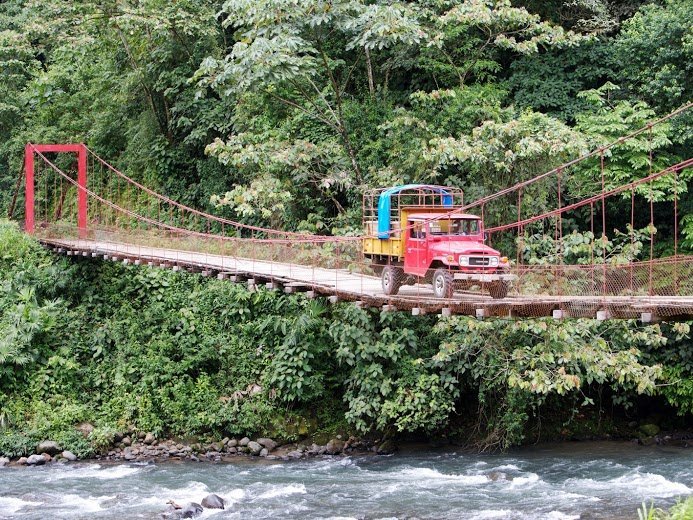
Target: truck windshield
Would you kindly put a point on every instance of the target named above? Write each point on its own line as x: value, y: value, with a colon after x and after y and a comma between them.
x: 455, y: 227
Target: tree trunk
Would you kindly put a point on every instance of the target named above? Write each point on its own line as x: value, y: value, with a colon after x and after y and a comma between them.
x: 369, y: 69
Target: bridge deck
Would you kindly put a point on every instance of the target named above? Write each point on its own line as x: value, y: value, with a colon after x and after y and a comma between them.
x: 367, y: 289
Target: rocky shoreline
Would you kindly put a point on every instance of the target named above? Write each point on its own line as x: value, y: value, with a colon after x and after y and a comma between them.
x: 134, y: 446
x: 143, y: 447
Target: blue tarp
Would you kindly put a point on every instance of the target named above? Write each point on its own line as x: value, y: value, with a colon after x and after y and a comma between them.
x: 384, y: 204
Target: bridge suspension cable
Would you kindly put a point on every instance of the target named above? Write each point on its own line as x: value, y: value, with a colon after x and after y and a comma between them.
x: 554, y: 272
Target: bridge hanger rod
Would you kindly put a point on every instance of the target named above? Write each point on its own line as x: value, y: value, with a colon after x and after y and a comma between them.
x: 17, y: 187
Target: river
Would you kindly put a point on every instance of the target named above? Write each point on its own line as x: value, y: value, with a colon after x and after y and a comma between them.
x: 572, y: 480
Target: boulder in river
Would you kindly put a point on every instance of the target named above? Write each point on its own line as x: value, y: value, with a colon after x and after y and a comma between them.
x: 495, y: 476
x: 149, y: 438
x: 244, y: 441
x: 4, y: 461
x: 191, y: 510
x: 50, y: 447
x: 175, y: 511
x: 35, y: 460
x: 213, y: 501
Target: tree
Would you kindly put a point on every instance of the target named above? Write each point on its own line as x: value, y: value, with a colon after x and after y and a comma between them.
x: 655, y: 50
x: 571, y: 70
x: 605, y: 122
x: 303, y: 54
x: 470, y: 36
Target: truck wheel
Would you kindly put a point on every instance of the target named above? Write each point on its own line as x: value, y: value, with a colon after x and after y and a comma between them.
x: 498, y: 289
x: 391, y: 279
x: 442, y: 283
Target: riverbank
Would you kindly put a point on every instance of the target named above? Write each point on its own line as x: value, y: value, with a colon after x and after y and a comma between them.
x: 94, y: 352
x: 131, y: 447
x: 139, y: 447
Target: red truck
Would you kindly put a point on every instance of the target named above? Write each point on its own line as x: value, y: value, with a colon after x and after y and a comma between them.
x: 416, y: 234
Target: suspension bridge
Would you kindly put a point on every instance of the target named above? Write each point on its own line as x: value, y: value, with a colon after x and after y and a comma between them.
x: 569, y: 260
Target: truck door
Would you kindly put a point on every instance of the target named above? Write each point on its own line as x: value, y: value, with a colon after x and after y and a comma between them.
x: 416, y: 248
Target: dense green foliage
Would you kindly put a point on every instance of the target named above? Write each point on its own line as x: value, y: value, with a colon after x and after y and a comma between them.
x: 282, y: 113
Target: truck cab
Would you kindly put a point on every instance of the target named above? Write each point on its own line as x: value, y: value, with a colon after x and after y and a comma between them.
x: 429, y: 240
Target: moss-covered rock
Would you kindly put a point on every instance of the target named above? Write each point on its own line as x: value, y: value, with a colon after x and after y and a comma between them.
x: 649, y: 430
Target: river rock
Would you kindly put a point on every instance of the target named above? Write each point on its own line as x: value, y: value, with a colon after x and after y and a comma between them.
x: 176, y: 512
x: 498, y: 475
x: 126, y: 441
x: 4, y: 461
x: 191, y: 510
x: 244, y: 441
x: 149, y: 438
x: 315, y: 449
x: 334, y: 447
x: 264, y: 452
x: 232, y: 443
x: 296, y: 454
x: 35, y: 460
x: 213, y: 501
x: 231, y: 449
x: 267, y: 443
x: 50, y: 447
x: 22, y: 461
x: 254, y: 448
x: 69, y: 456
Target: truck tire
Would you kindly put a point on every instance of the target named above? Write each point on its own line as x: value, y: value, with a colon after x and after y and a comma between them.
x: 442, y: 283
x: 498, y: 289
x: 391, y: 279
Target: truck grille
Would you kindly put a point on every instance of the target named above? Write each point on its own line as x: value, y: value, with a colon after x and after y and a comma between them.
x: 479, y: 260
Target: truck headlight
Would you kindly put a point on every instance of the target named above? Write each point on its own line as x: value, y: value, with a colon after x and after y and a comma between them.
x: 493, y: 261
x: 464, y: 260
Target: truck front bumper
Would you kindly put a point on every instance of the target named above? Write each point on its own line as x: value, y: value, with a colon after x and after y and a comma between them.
x: 484, y: 278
